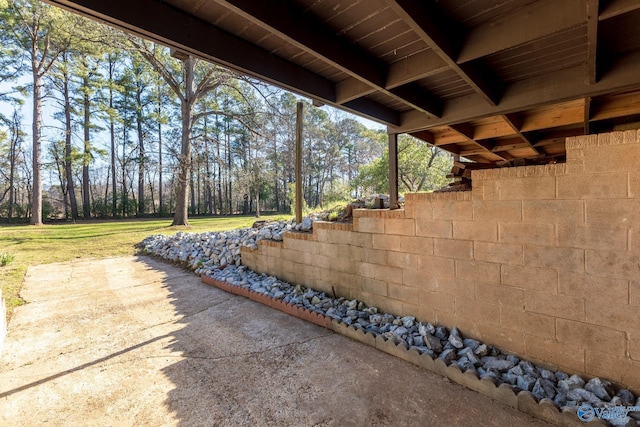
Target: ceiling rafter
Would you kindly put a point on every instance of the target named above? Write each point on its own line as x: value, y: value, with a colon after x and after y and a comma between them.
x: 514, y: 121
x: 425, y: 136
x: 511, y: 146
x: 532, y: 21
x: 423, y: 64
x: 179, y: 30
x: 526, y: 94
x: 487, y: 146
x: 592, y: 7
x: 444, y: 37
x: 309, y: 34
x: 614, y: 8
x: 587, y: 116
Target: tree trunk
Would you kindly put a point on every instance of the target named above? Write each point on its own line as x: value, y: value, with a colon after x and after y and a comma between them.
x: 36, y: 131
x: 124, y: 172
x: 258, y: 203
x: 160, y: 200
x: 229, y: 200
x: 275, y: 173
x: 192, y: 188
x: 112, y: 135
x: 181, y: 216
x: 141, y: 153
x: 86, y: 157
x: 220, y: 204
x: 151, y: 193
x: 73, y: 202
x: 207, y: 185
x: 15, y: 137
x: 106, y: 192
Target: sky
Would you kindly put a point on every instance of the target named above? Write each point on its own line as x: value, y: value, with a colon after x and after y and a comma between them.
x: 7, y: 110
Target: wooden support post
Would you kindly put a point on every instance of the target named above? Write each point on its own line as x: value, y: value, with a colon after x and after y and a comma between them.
x: 393, y: 171
x: 299, y: 116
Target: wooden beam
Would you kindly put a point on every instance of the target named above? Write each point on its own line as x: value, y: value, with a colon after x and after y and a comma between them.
x: 509, y: 147
x: 535, y: 92
x: 303, y: 30
x: 181, y: 31
x: 530, y: 22
x: 417, y: 98
x: 587, y: 116
x: 168, y: 25
x: 592, y: 41
x: 613, y: 8
x: 555, y: 134
x: 370, y: 108
x: 452, y: 148
x: 444, y: 36
x: 352, y: 88
x: 609, y: 107
x: 485, y: 154
x: 293, y: 24
x: 552, y: 116
x: 444, y: 135
x: 425, y: 136
x: 546, y: 142
x: 491, y: 127
x: 515, y: 122
x: 466, y: 130
x: 472, y: 152
x: 415, y: 67
x: 393, y: 171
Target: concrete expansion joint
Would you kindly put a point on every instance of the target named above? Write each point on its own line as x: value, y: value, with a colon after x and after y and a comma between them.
x: 254, y: 353
x: 209, y: 307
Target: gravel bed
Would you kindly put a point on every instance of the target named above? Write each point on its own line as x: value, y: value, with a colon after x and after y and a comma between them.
x: 217, y: 255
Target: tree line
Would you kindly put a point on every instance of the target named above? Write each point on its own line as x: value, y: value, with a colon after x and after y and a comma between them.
x: 124, y: 127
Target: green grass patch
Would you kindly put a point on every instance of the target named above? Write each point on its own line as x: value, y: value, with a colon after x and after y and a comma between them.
x: 29, y: 245
x: 6, y: 258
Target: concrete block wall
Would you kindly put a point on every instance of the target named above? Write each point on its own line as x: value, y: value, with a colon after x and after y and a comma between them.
x: 541, y: 261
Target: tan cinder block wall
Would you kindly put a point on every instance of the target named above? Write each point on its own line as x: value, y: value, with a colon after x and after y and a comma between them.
x: 541, y: 261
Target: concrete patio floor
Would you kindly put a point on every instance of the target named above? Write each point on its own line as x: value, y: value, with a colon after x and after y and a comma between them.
x: 135, y: 341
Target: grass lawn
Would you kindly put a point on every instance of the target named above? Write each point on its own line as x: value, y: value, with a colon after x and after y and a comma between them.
x: 32, y: 245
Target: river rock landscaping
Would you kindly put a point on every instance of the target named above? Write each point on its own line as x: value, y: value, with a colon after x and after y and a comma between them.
x: 217, y: 255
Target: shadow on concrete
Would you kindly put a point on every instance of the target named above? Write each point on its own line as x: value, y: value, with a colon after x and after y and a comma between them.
x: 135, y: 341
x: 246, y: 364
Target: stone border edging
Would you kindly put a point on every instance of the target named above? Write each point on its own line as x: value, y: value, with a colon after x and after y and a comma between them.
x: 524, y: 401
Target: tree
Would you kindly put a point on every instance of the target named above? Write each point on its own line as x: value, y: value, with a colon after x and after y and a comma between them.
x: 112, y: 115
x: 61, y: 79
x: 190, y: 81
x: 11, y: 61
x: 420, y: 168
x: 87, y: 73
x: 10, y: 146
x: 160, y: 97
x: 42, y: 33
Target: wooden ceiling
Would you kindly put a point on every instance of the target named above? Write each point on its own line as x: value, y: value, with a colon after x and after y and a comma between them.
x: 490, y: 80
